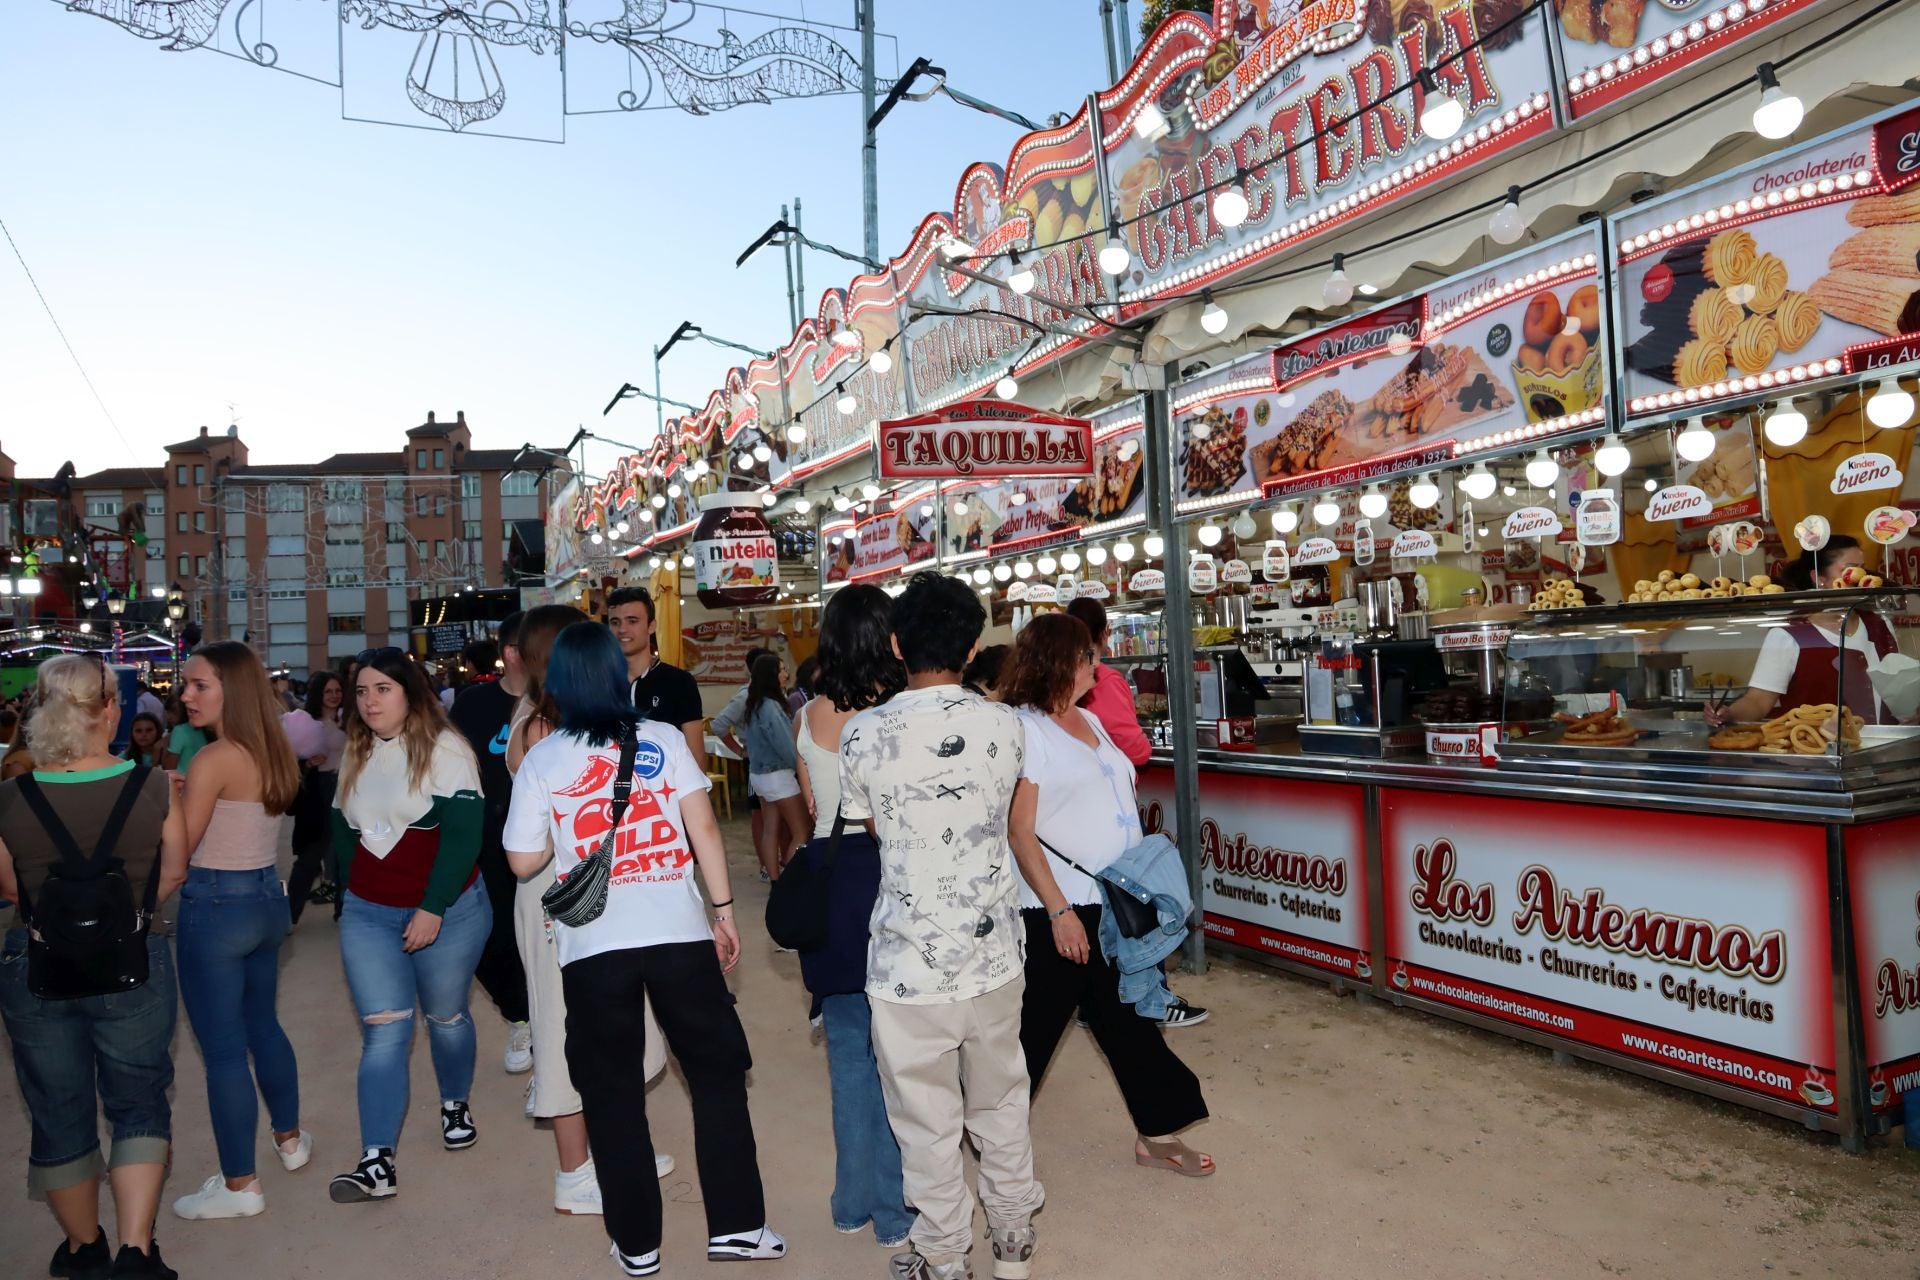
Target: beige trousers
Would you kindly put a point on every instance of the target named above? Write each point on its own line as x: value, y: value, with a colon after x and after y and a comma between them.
x: 945, y: 1068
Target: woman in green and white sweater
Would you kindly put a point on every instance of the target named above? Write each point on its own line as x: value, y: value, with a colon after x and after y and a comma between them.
x: 414, y: 919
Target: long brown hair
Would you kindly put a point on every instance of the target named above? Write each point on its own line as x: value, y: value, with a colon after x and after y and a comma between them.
x: 250, y: 719
x: 538, y: 630
x: 421, y: 733
x: 1045, y: 659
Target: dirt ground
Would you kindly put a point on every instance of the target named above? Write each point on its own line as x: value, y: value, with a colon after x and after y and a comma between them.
x: 1354, y: 1140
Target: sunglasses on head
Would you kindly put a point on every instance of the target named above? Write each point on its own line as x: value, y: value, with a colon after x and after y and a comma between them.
x: 384, y: 652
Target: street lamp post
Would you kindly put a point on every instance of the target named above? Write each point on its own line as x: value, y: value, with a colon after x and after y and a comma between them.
x: 176, y: 610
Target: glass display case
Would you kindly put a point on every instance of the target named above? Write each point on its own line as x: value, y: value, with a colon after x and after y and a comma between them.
x: 1798, y: 680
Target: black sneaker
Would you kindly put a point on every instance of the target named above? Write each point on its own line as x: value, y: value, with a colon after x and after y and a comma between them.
x: 456, y: 1126
x: 88, y: 1262
x: 145, y: 1266
x: 373, y: 1179
x: 1182, y: 1014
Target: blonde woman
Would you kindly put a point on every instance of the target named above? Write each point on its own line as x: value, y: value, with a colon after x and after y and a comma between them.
x: 75, y: 1058
x: 233, y: 918
x: 414, y: 919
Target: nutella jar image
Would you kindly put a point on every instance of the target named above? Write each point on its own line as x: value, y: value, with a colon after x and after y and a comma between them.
x: 735, y: 560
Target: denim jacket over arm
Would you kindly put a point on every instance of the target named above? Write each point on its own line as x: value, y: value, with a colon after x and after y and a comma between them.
x: 1152, y: 872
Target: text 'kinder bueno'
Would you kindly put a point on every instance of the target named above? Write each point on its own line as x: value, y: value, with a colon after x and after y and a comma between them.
x: 1236, y: 855
x: 1589, y: 920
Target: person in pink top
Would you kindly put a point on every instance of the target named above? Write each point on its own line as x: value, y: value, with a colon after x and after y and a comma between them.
x: 1111, y: 700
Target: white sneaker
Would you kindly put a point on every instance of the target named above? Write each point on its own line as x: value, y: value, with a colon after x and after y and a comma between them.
x: 577, y: 1192
x: 647, y: 1264
x: 301, y: 1153
x: 662, y: 1165
x: 519, y: 1049
x: 747, y: 1247
x: 215, y: 1200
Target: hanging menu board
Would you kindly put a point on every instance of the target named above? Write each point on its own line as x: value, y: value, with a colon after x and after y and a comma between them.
x: 1615, y: 48
x: 1804, y: 266
x: 1511, y: 352
x: 1002, y: 515
x: 888, y: 541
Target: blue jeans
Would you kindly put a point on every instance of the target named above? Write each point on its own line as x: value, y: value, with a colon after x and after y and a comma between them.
x: 388, y: 982
x: 230, y: 928
x: 76, y: 1058
x: 866, y: 1174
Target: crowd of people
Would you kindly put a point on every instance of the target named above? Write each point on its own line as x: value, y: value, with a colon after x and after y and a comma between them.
x: 967, y: 817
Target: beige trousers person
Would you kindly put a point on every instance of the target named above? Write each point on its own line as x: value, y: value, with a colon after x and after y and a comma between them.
x: 945, y: 1068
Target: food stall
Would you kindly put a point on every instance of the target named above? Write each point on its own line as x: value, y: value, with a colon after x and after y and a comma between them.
x: 1442, y: 573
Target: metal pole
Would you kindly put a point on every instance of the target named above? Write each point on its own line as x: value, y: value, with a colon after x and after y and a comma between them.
x: 1124, y: 33
x: 788, y: 251
x: 869, y: 154
x: 659, y: 405
x: 1106, y: 29
x: 799, y: 265
x: 1178, y: 625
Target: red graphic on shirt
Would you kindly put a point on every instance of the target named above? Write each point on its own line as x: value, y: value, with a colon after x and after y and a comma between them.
x: 648, y: 844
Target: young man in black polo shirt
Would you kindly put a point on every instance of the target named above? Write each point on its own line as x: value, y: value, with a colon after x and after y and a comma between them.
x: 661, y: 691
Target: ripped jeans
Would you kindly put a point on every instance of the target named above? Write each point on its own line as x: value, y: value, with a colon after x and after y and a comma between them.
x: 388, y: 983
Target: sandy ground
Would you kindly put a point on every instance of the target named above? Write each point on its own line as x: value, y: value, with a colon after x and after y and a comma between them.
x: 1354, y: 1140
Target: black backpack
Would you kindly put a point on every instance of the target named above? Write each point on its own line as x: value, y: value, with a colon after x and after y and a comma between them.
x: 85, y: 936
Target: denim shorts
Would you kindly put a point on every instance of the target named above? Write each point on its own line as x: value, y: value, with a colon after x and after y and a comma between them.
x: 76, y: 1058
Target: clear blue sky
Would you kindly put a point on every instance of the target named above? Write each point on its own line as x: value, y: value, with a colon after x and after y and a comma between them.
x: 211, y: 232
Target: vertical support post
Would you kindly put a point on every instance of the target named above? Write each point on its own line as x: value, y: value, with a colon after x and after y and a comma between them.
x: 1178, y: 625
x: 869, y: 154
x: 789, y: 250
x: 659, y: 410
x: 1106, y: 29
x: 1123, y: 32
x: 799, y: 265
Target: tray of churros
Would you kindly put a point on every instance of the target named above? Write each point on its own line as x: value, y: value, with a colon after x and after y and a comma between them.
x: 1811, y: 730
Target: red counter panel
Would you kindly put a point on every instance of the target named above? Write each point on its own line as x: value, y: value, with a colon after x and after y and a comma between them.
x: 1883, y: 879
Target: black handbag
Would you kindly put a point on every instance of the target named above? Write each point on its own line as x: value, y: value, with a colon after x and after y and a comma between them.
x: 1134, y: 918
x: 86, y: 938
x: 799, y: 904
x: 580, y: 898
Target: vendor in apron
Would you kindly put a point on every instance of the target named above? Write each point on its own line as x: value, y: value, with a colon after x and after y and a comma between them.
x: 1805, y: 663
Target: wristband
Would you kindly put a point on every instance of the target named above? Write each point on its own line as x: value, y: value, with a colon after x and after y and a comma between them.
x: 1062, y: 911
x: 727, y: 903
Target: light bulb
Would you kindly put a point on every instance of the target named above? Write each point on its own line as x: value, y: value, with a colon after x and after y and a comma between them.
x: 686, y: 561
x: 881, y: 361
x: 1442, y: 115
x: 658, y: 501
x: 1022, y: 279
x: 1200, y: 429
x: 803, y: 505
x: 1046, y: 565
x: 1326, y: 511
x: 762, y: 453
x: 847, y: 402
x: 1153, y: 544
x: 673, y: 490
x: 621, y: 528
x: 745, y: 461
x: 1114, y: 258
x: 596, y: 539
x: 1230, y: 206
x: 926, y: 508
x: 1096, y: 556
x: 1285, y: 520
x: 1150, y: 125
x: 768, y: 497
x: 1542, y: 470
x: 646, y: 515
x: 653, y: 562
x: 1652, y: 485
x: 1889, y: 405
x: 1612, y: 457
x: 1373, y: 503
x: 1786, y: 425
x: 1069, y: 560
x: 847, y: 339
x: 1007, y: 388
x: 1506, y: 226
x: 959, y: 506
x: 869, y: 491
x: 1424, y: 493
x: 1243, y: 526
x: 796, y: 432
x: 954, y: 249
x: 1508, y: 491
x: 1210, y: 534
x: 1779, y: 112
x: 1696, y: 443
x: 1213, y: 317
x: 1123, y: 551
x: 1478, y: 483
x: 1023, y: 570
x: 700, y: 467
x: 1338, y: 290
x: 1398, y: 343
x: 1018, y: 497
x: 841, y: 502
x: 981, y: 577
x: 1001, y: 573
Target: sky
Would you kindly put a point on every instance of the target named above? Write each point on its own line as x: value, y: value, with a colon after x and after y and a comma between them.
x: 210, y: 233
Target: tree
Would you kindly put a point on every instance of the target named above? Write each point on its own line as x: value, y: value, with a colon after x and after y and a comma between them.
x: 1158, y: 11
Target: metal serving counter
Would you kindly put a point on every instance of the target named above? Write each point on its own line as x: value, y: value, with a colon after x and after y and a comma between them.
x: 1711, y: 926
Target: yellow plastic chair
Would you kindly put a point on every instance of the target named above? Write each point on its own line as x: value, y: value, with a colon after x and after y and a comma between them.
x: 717, y: 776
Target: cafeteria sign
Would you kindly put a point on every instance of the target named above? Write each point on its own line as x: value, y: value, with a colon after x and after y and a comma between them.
x: 985, y: 439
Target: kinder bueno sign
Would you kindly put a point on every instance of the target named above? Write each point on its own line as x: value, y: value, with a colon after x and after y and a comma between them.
x: 1864, y: 472
x: 1691, y: 943
x: 1411, y: 544
x: 1679, y: 502
x: 1282, y: 863
x: 1532, y: 522
x: 985, y: 439
x: 1317, y: 551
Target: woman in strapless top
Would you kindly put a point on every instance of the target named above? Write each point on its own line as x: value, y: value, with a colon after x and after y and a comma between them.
x: 233, y: 918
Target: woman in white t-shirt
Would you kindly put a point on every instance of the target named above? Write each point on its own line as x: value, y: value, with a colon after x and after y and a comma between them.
x: 1076, y: 794
x: 653, y: 941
